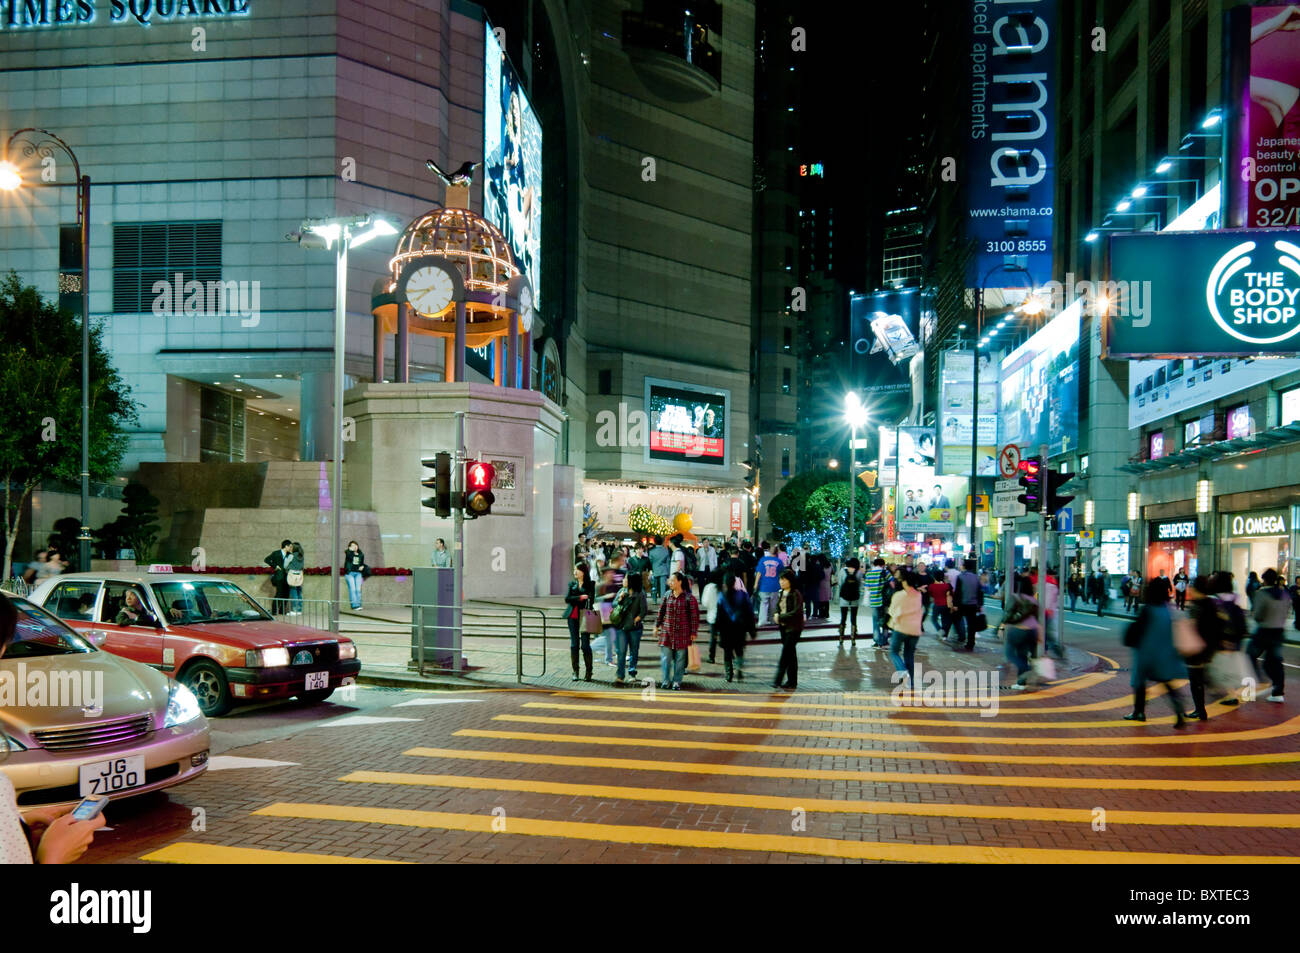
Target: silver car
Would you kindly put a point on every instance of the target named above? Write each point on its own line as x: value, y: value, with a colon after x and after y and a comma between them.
x: 77, y: 722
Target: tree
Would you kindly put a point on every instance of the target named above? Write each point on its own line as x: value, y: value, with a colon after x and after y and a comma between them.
x: 139, y: 524
x: 827, y: 510
x: 40, y: 391
x: 786, y: 511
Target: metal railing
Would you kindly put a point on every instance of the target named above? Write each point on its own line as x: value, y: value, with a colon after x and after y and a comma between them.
x: 17, y: 585
x: 425, y: 637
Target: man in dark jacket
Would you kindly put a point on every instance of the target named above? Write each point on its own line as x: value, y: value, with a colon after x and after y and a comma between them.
x: 660, y: 556
x: 279, y: 577
x: 967, y: 597
x: 1272, y: 612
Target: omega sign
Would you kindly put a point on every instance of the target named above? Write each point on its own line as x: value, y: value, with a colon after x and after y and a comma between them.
x: 1256, y: 301
x: 1271, y: 525
x: 22, y: 14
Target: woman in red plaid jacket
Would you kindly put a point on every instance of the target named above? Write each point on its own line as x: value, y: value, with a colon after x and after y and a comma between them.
x: 678, y: 621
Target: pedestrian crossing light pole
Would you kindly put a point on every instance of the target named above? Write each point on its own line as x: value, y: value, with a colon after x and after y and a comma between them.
x: 856, y: 416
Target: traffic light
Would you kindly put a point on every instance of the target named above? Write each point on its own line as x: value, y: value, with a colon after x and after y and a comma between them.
x: 440, y: 502
x: 478, y: 488
x: 1031, y: 478
x: 1055, y: 480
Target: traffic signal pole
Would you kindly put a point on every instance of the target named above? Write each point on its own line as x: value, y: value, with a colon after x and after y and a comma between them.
x: 457, y: 540
x: 1042, y: 550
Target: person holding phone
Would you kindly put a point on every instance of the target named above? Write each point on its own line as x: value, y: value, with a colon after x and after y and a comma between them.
x: 46, y: 835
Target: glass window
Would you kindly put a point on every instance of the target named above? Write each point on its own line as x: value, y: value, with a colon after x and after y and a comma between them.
x: 785, y: 463
x: 74, y: 600
x: 39, y: 633
x: 206, y: 601
x: 125, y: 604
x: 785, y: 380
x: 1291, y: 406
x: 1083, y: 463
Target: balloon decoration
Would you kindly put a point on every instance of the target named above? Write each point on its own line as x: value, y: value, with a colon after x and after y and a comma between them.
x: 682, y: 523
x: 642, y: 520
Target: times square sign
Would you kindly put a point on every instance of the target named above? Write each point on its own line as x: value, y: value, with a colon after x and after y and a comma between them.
x: 45, y: 14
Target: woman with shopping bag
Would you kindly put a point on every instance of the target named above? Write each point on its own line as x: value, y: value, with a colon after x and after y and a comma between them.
x: 583, y: 620
x: 1022, y: 634
x: 1151, y: 637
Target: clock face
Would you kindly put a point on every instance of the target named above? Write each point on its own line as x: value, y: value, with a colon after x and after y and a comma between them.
x: 429, y: 290
x: 526, y: 309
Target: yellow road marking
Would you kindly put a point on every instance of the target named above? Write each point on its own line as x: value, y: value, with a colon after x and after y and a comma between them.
x: 1121, y: 701
x: 184, y: 852
x: 826, y: 805
x: 828, y: 774
x: 1178, y: 761
x: 1288, y: 727
x: 990, y: 723
x: 735, y: 698
x: 730, y: 840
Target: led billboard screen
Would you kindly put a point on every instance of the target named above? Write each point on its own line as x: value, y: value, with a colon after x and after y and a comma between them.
x: 512, y: 161
x: 1040, y: 388
x: 688, y: 424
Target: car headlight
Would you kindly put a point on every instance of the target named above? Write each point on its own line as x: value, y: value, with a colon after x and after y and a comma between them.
x: 266, y: 658
x: 182, y: 706
x: 347, y: 650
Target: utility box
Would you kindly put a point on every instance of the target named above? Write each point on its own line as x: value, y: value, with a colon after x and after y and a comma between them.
x: 435, y: 624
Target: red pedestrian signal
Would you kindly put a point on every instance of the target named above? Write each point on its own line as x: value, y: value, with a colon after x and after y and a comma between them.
x: 478, y: 488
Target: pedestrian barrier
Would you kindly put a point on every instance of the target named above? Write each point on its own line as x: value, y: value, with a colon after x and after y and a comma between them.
x: 488, y: 638
x: 17, y: 586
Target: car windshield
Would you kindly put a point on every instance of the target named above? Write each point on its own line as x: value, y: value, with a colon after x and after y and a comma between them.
x: 39, y: 633
x: 201, y: 601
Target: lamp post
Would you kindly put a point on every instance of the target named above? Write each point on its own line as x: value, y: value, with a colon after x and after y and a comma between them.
x: 42, y: 143
x: 342, y: 234
x: 975, y: 394
x: 856, y: 415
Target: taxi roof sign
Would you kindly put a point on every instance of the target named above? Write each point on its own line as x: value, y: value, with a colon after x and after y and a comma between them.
x: 160, y: 567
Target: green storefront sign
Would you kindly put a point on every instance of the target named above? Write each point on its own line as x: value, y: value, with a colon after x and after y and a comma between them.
x: 1204, y: 294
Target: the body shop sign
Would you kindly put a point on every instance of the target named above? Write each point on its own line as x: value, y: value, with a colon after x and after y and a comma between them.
x: 1222, y: 293
x: 1257, y: 523
x: 37, y: 14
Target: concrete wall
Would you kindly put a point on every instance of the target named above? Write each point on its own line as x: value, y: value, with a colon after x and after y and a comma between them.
x: 509, y: 553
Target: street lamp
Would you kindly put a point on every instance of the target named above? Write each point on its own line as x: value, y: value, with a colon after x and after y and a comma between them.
x: 39, y: 142
x: 342, y: 234
x: 975, y: 384
x: 856, y: 416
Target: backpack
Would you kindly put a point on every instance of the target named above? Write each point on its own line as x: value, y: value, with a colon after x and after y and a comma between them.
x: 851, y: 588
x: 691, y: 562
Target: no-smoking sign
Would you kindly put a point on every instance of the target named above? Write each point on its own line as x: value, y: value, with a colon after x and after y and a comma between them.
x: 1009, y: 460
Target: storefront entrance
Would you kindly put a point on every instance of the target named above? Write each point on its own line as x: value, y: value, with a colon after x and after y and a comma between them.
x: 1256, y: 541
x: 1171, y: 547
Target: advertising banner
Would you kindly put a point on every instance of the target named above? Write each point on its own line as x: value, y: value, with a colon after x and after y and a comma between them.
x: 883, y: 327
x: 1010, y: 162
x: 1208, y: 294
x: 1160, y: 388
x: 1264, y: 132
x: 928, y: 503
x: 1040, y: 388
x: 917, y: 444
x: 957, y: 389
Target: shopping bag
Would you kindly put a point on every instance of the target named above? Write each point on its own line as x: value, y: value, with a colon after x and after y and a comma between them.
x: 692, y: 658
x: 1187, y: 640
x: 591, y: 623
x: 1228, y: 671
x: 1045, y: 668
